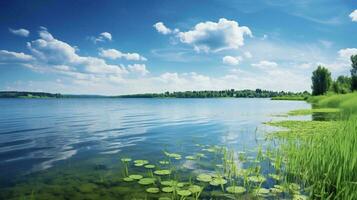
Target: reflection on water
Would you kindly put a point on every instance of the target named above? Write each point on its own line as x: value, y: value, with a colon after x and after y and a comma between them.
x: 37, y: 135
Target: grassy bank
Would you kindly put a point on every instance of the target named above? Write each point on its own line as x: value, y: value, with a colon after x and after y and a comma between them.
x: 323, y: 154
x: 290, y: 98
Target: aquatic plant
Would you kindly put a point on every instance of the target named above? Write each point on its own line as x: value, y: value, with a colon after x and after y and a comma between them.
x: 204, y: 177
x: 147, y: 181
x: 162, y: 172
x: 153, y: 190
x: 235, y: 189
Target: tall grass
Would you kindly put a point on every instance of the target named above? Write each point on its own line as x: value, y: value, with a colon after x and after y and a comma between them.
x: 346, y: 102
x: 327, y: 161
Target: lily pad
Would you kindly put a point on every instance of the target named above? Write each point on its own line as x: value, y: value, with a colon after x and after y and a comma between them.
x: 184, y: 193
x: 195, y: 188
x: 162, y: 172
x: 173, y: 155
x: 218, y: 181
x: 236, y: 189
x: 275, y: 176
x: 128, y: 179
x: 257, y: 179
x: 140, y: 163
x: 190, y: 158
x: 147, y: 181
x: 164, y: 198
x: 167, y: 189
x: 204, y: 178
x: 261, y: 191
x: 136, y: 176
x: 149, y: 166
x: 153, y: 190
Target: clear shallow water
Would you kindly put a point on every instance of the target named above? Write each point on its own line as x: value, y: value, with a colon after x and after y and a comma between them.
x: 40, y: 135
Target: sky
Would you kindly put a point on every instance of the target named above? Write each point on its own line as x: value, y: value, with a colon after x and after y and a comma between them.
x: 130, y: 46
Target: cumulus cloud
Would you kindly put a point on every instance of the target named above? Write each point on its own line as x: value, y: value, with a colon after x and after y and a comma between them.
x: 215, y: 36
x: 265, y: 64
x: 102, y: 37
x: 231, y: 60
x: 14, y: 56
x: 138, y: 69
x: 20, y: 32
x: 161, y: 28
x: 211, y: 36
x: 115, y: 54
x: 347, y: 53
x: 353, y: 16
x: 247, y: 54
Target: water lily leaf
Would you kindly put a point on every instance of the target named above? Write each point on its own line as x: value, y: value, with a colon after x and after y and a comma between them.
x: 257, y: 179
x: 128, y: 179
x: 184, y: 193
x: 204, y: 177
x: 136, y: 176
x: 164, y: 198
x: 275, y: 176
x: 173, y: 155
x: 162, y: 172
x: 218, y: 181
x: 195, y: 188
x: 153, y: 190
x: 140, y: 163
x: 190, y: 158
x: 236, y: 189
x: 149, y: 166
x: 261, y: 191
x: 167, y: 189
x: 147, y: 181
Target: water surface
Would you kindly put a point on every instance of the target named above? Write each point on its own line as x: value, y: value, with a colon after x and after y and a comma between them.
x: 43, y: 135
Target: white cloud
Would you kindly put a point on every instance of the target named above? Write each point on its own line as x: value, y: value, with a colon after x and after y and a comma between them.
x: 230, y: 60
x: 115, y: 54
x: 265, y: 65
x: 353, y: 16
x: 105, y: 36
x: 347, y: 53
x: 20, y: 32
x: 14, y: 56
x: 161, y: 28
x: 210, y: 36
x: 138, y: 69
x: 247, y: 54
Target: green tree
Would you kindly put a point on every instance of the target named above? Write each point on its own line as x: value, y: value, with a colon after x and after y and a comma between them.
x: 321, y: 81
x: 354, y: 73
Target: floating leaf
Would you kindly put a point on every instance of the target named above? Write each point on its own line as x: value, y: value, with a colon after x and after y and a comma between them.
x: 261, y: 191
x: 147, y: 181
x: 136, y: 176
x: 218, y: 181
x: 149, y: 166
x: 140, y: 163
x: 164, y: 198
x: 162, y: 172
x: 184, y: 193
x: 195, y: 188
x: 299, y: 197
x: 257, y: 179
x: 190, y: 158
x: 275, y: 176
x: 204, y: 177
x: 236, y: 189
x: 167, y: 189
x: 128, y: 179
x: 153, y: 190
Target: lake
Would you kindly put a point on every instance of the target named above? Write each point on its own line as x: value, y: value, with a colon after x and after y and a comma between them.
x: 49, y: 145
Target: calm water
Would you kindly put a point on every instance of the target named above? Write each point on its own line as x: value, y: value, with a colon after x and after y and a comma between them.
x: 40, y: 135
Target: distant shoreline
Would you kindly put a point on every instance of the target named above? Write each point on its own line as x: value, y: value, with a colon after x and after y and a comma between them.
x: 186, y: 94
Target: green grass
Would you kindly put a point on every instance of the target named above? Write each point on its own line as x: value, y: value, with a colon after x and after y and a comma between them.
x: 323, y: 154
x: 311, y: 111
x: 291, y: 98
x: 347, y: 103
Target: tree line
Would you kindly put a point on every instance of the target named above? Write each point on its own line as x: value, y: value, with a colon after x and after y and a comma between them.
x: 323, y: 83
x: 258, y: 93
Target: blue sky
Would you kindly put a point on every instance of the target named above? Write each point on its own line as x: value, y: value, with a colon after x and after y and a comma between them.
x: 122, y: 47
